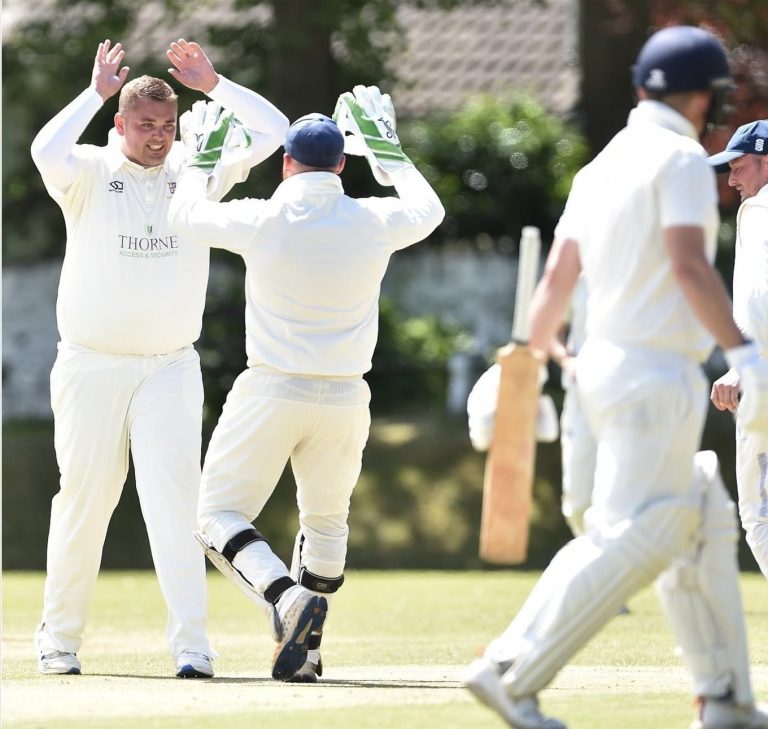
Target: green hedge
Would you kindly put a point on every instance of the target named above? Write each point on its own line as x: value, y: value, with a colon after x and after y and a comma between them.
x: 417, y: 503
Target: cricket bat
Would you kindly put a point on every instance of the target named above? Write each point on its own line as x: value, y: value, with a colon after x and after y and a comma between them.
x: 509, y: 466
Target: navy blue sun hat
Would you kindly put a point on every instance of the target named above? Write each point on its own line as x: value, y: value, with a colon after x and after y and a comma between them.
x: 749, y: 138
x: 315, y: 141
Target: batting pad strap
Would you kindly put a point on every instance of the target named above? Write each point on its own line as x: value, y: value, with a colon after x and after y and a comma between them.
x: 277, y: 588
x: 327, y: 585
x: 240, y: 541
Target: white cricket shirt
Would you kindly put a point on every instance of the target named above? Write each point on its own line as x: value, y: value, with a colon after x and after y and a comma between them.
x: 314, y: 259
x: 652, y: 175
x: 129, y: 284
x: 750, y: 270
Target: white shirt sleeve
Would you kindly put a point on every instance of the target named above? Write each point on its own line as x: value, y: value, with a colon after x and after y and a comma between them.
x: 230, y: 225
x: 570, y: 223
x: 266, y: 122
x: 750, y: 281
x: 53, y: 149
x: 414, y: 214
x: 687, y: 190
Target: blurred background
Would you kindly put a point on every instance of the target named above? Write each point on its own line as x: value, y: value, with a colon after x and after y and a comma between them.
x: 499, y: 103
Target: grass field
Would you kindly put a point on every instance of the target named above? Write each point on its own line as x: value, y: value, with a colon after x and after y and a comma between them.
x: 395, y: 646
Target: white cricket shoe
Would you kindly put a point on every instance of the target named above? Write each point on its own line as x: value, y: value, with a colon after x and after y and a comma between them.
x: 301, y: 612
x: 483, y: 680
x: 193, y: 665
x: 59, y: 662
x: 312, y: 668
x: 714, y: 714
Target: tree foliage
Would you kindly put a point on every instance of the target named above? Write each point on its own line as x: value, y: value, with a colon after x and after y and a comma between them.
x: 300, y: 54
x: 497, y: 165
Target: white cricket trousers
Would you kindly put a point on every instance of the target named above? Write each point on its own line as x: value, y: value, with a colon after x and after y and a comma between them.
x: 578, y: 450
x: 104, y: 405
x: 752, y: 485
x: 321, y: 425
x: 650, y: 514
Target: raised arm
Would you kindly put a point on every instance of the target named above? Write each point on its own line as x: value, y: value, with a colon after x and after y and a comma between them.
x: 53, y: 147
x: 193, y: 69
x: 366, y: 118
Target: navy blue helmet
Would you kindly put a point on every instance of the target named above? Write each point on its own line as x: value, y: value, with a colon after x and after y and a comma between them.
x: 684, y: 58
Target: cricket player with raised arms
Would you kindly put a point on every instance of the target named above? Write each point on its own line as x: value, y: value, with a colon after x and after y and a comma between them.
x: 315, y: 258
x: 130, y: 303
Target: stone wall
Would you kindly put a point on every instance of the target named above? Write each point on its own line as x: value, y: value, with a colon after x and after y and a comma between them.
x: 472, y: 290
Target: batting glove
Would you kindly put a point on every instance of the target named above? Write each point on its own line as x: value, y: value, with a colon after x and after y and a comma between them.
x: 753, y: 375
x: 213, y: 136
x: 481, y: 410
x: 366, y: 118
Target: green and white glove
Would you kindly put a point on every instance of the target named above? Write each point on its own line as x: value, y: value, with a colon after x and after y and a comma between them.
x: 212, y: 136
x: 366, y: 118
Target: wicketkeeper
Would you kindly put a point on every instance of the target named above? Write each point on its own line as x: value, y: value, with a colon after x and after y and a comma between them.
x: 314, y: 261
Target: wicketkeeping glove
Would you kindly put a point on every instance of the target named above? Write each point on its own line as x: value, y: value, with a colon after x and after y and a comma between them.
x: 366, y: 118
x: 212, y: 136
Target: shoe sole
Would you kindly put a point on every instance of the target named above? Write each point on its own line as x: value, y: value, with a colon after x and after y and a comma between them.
x: 302, y: 678
x: 71, y: 672
x: 192, y: 672
x: 291, y: 654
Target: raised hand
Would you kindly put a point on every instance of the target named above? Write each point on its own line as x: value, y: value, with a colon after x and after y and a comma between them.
x: 192, y: 68
x: 108, y: 76
x: 366, y: 118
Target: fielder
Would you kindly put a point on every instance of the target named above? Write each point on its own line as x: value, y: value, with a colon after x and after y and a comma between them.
x: 745, y: 158
x: 314, y: 260
x: 127, y: 376
x: 641, y: 224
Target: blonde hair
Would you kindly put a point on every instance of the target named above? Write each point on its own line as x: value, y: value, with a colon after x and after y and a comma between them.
x: 144, y: 87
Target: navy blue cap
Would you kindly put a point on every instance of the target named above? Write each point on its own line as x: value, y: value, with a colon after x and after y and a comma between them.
x: 315, y: 141
x: 749, y: 138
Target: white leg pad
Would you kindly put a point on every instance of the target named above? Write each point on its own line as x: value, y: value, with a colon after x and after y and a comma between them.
x: 701, y: 597
x: 223, y: 565
x: 296, y: 558
x: 583, y: 588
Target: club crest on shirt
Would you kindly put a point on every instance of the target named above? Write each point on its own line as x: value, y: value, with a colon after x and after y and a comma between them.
x: 116, y: 186
x: 171, y: 187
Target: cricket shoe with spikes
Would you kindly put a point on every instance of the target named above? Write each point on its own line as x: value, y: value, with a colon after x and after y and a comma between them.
x: 301, y: 613
x: 483, y: 679
x: 309, y: 672
x: 716, y: 714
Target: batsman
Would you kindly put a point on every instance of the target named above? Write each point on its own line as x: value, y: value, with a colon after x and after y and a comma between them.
x: 314, y: 258
x: 641, y: 225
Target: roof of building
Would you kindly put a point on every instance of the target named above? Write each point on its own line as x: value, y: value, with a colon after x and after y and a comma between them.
x: 488, y: 48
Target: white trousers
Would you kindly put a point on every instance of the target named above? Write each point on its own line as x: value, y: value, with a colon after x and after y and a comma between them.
x: 649, y: 511
x: 578, y: 449
x: 321, y: 425
x: 752, y: 485
x: 104, y: 405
